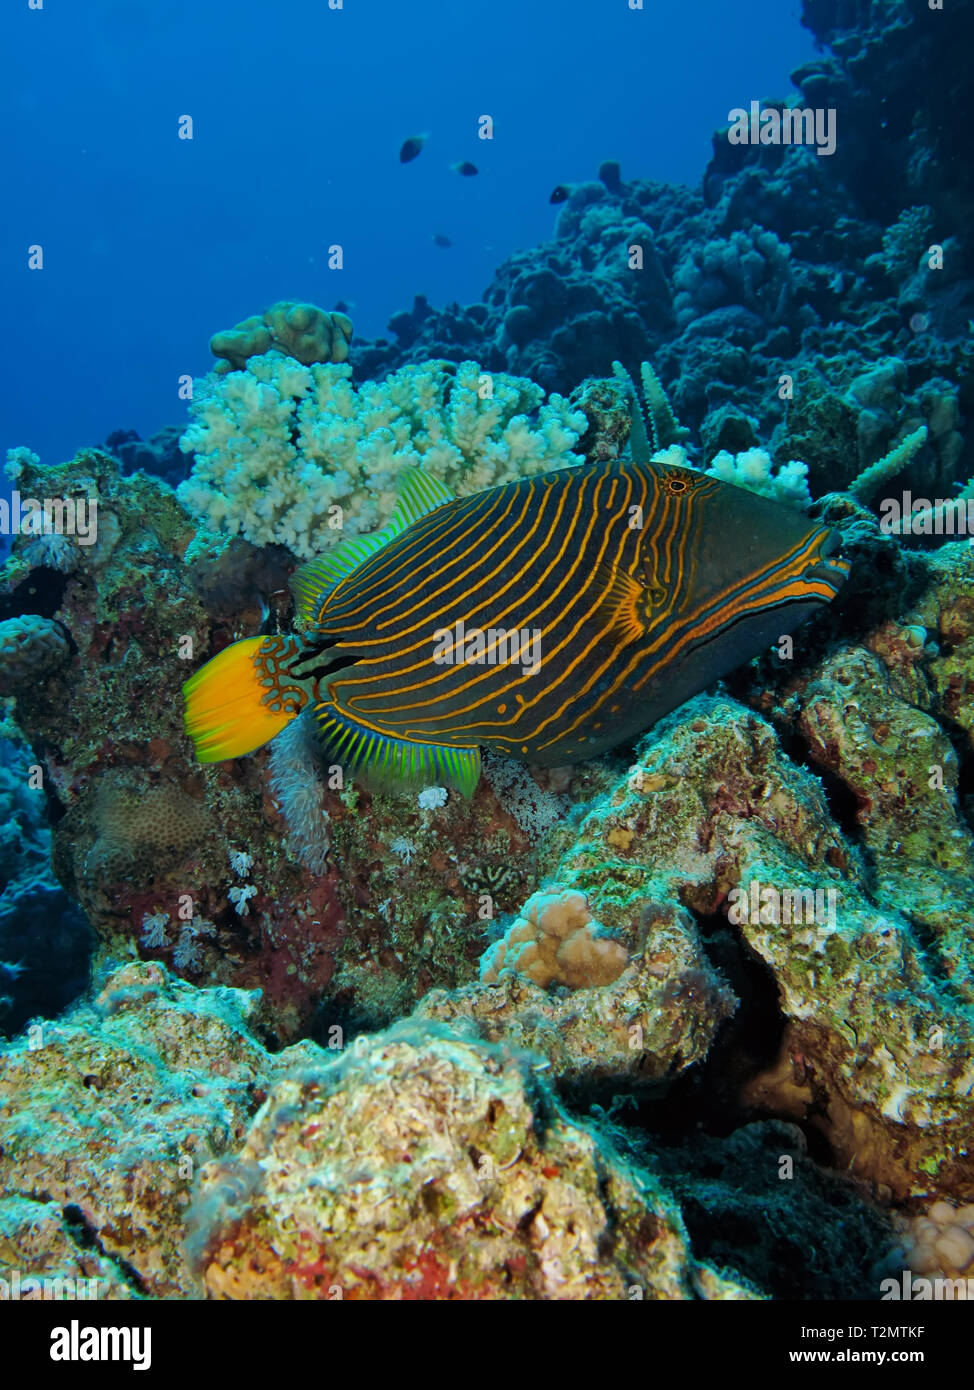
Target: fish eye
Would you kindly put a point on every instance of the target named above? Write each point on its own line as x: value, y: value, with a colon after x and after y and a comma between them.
x: 676, y: 483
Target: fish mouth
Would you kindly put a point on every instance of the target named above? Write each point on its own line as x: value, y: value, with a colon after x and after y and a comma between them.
x: 828, y: 568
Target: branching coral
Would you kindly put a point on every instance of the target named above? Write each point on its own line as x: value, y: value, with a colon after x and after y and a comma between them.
x: 658, y: 425
x: 887, y: 467
x: 754, y: 470
x: 298, y: 456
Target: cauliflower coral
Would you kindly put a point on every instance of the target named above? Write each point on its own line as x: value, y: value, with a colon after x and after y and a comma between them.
x: 299, y: 456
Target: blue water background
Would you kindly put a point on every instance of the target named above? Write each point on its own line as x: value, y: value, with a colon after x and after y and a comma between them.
x: 152, y: 243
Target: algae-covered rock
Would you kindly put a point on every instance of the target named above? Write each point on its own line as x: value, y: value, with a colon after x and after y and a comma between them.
x: 420, y: 1165
x: 149, y: 1142
x: 110, y: 1111
x: 715, y: 821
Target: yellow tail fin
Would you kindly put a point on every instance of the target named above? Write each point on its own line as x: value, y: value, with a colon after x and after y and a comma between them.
x: 224, y: 714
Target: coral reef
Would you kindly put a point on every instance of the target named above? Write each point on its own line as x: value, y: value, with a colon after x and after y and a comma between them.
x: 159, y: 454
x: 569, y: 1038
x: 373, y: 905
x: 872, y: 968
x: 818, y: 307
x: 453, y: 1173
x: 45, y: 942
x: 138, y: 831
x: 139, y: 1150
x: 109, y: 1114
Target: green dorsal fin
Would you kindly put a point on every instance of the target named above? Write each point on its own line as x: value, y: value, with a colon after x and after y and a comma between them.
x: 419, y: 493
x: 385, y: 763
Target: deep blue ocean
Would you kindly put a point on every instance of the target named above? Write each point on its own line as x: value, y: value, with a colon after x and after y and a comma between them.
x: 152, y: 242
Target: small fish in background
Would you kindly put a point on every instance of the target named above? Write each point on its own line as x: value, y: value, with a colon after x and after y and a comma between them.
x: 465, y: 169
x: 411, y: 148
x: 561, y: 194
x: 344, y: 306
x: 440, y: 240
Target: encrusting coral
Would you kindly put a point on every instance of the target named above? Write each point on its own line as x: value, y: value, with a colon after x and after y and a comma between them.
x: 138, y: 827
x: 300, y: 456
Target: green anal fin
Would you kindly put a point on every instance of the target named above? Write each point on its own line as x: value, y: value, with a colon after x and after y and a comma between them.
x: 383, y: 762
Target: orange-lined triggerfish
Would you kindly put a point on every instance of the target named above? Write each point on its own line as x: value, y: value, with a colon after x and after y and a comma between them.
x: 549, y: 619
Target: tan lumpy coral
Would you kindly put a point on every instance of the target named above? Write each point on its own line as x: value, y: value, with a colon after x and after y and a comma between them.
x: 940, y: 1241
x: 556, y: 941
x: 302, y: 331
